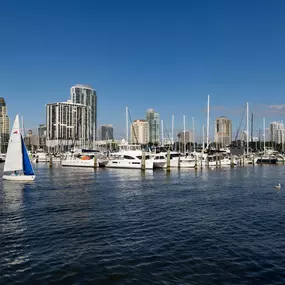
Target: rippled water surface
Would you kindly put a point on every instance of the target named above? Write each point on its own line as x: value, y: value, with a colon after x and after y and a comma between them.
x: 80, y: 226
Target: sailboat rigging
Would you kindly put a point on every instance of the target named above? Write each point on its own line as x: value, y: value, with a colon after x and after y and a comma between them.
x: 18, y: 163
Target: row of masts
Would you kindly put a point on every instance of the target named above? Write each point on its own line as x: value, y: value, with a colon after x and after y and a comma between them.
x: 203, y: 128
x: 184, y: 127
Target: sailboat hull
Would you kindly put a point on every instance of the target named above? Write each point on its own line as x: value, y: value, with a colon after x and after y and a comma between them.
x: 19, y: 177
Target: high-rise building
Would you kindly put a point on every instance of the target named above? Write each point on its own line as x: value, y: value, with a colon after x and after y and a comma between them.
x: 140, y: 132
x: 86, y: 95
x: 67, y: 125
x: 31, y: 141
x: 4, y: 126
x: 42, y: 134
x: 223, y: 131
x: 188, y: 137
x: 277, y: 132
x: 106, y: 132
x: 152, y: 118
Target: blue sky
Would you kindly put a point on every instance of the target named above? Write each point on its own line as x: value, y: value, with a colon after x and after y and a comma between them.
x: 167, y: 55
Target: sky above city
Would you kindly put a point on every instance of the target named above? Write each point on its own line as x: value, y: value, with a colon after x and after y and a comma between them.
x: 166, y: 55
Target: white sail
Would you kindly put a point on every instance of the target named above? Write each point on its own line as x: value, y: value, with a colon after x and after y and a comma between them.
x: 14, y: 157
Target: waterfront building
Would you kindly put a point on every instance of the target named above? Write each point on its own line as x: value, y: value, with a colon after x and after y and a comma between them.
x: 223, y: 131
x: 42, y: 134
x: 106, y: 132
x: 277, y: 132
x: 152, y: 118
x: 140, y: 132
x: 4, y: 126
x: 188, y: 137
x: 67, y: 126
x: 31, y: 141
x: 86, y: 95
x: 250, y: 139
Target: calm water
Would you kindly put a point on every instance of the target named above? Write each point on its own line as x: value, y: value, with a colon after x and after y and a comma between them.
x: 77, y: 226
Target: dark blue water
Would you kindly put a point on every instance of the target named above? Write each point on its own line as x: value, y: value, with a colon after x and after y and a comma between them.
x: 77, y: 226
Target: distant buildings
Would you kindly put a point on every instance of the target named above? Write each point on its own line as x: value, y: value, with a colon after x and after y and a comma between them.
x: 250, y: 139
x: 67, y: 125
x: 152, y: 118
x: 223, y: 131
x: 4, y: 126
x: 188, y: 137
x: 106, y: 132
x: 42, y: 134
x: 31, y: 141
x: 277, y: 132
x: 85, y: 95
x: 72, y: 123
x: 140, y: 132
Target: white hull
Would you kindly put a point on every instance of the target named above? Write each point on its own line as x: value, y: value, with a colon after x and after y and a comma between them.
x: 78, y: 162
x: 184, y: 163
x: 159, y: 163
x: 19, y: 177
x: 222, y: 162
x: 121, y: 163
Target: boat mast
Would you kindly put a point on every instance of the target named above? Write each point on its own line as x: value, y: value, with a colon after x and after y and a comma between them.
x: 184, y: 139
x: 172, y: 130
x: 162, y: 138
x: 203, y: 136
x: 127, y: 124
x: 247, y: 130
x: 264, y: 134
x: 208, y: 121
x: 251, y: 129
x: 193, y: 122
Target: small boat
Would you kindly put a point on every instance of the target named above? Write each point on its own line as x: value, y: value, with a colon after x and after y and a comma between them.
x: 18, y: 163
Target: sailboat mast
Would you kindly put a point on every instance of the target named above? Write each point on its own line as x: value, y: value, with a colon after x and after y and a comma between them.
x: 264, y: 134
x: 184, y: 127
x: 247, y: 129
x: 208, y: 121
x: 127, y: 124
x: 23, y: 130
x: 251, y: 128
x: 193, y: 122
x: 203, y: 136
x: 172, y: 130
x: 162, y: 138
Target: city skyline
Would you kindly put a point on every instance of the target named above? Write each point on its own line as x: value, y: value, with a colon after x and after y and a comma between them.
x: 170, y: 66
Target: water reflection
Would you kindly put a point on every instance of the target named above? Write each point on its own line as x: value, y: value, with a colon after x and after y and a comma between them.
x: 13, y: 224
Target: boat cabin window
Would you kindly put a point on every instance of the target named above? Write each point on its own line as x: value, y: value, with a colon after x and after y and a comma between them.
x: 174, y: 155
x: 146, y: 157
x: 128, y: 157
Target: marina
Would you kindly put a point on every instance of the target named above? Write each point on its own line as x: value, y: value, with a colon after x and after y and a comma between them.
x: 80, y: 226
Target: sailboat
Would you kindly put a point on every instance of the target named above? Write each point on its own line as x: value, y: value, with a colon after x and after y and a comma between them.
x: 17, y: 161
